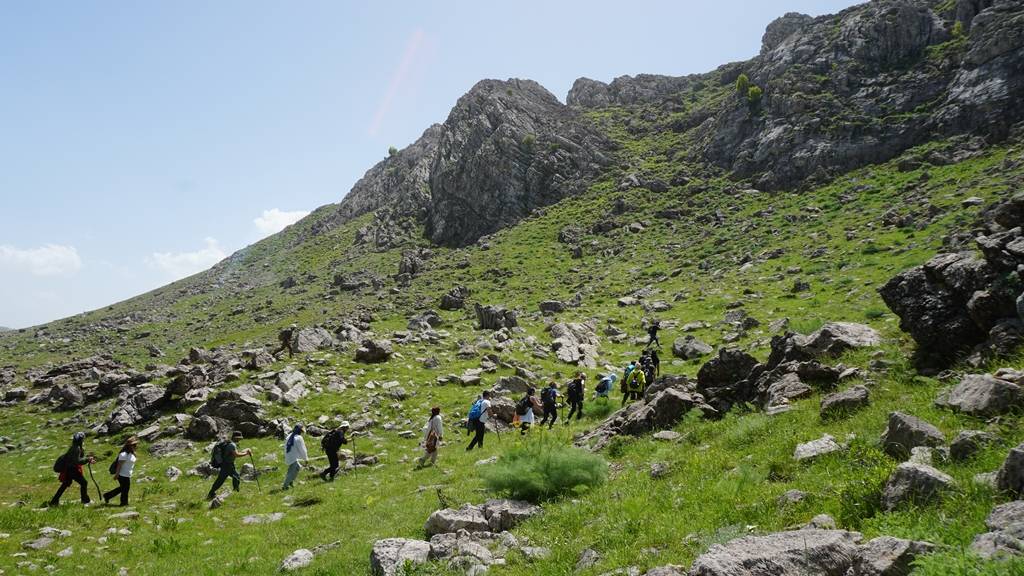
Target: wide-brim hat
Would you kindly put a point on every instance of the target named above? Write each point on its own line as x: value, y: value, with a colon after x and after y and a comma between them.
x: 237, y: 435
x: 344, y: 424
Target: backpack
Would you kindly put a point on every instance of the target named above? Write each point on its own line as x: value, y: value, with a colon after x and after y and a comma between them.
x: 523, y: 406
x: 547, y: 396
x: 476, y: 410
x: 59, y: 465
x: 331, y: 441
x: 113, y: 465
x: 217, y: 456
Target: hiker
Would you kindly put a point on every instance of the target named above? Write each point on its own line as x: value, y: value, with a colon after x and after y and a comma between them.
x: 285, y: 338
x: 70, y: 467
x: 525, y: 410
x: 636, y: 384
x: 652, y: 334
x: 624, y: 387
x: 656, y: 362
x: 432, y: 434
x: 224, y: 455
x: 294, y: 450
x: 122, y: 470
x: 647, y: 364
x: 479, y: 415
x: 604, y: 386
x: 549, y: 402
x: 331, y: 444
x: 574, y: 393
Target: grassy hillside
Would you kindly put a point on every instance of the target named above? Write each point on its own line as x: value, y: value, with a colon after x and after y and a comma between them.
x: 703, y: 245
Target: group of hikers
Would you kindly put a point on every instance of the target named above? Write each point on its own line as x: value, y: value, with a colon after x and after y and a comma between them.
x: 637, y: 375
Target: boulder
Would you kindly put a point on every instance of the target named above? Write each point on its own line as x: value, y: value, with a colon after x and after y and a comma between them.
x: 455, y: 299
x: 689, y: 348
x: 726, y: 376
x: 905, y: 431
x: 1006, y: 535
x: 169, y: 447
x: 495, y: 317
x: 663, y: 411
x: 503, y: 514
x: 917, y: 483
x: 888, y: 556
x: 425, y: 321
x: 815, y: 448
x: 202, y: 428
x: 984, y: 396
x: 551, y: 307
x: 374, y: 351
x: 311, y: 340
x: 783, y: 389
x: 390, y: 556
x: 296, y: 560
x: 238, y: 410
x: 823, y: 552
x: 1010, y: 477
x: 575, y: 343
x: 256, y: 359
x: 134, y: 407
x: 470, y: 518
x: 967, y: 443
x: 844, y: 402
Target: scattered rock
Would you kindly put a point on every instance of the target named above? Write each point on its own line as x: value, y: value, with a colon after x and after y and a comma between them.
x: 390, y: 556
x: 815, y: 448
x: 967, y: 443
x: 844, y: 402
x: 905, y: 431
x: 296, y: 560
x: 888, y: 556
x: 794, y: 552
x: 984, y: 396
x: 917, y: 483
x: 688, y: 348
x: 1010, y: 477
x: 494, y: 317
x: 374, y: 351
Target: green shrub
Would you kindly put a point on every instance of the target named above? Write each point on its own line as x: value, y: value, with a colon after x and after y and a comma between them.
x: 742, y: 85
x: 392, y: 151
x: 754, y: 94
x: 544, y: 470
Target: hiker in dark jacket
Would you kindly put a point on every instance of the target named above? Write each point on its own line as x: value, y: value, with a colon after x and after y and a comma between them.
x: 123, y: 472
x: 227, y: 466
x: 549, y: 401
x: 331, y: 443
x: 575, y: 392
x: 71, y: 469
x: 656, y: 362
x: 285, y: 338
x: 652, y: 334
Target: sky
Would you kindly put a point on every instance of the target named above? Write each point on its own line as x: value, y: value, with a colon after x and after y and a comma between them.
x: 143, y: 142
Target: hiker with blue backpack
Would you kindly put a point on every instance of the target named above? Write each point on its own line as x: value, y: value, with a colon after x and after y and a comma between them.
x: 223, y: 459
x: 604, y: 386
x: 479, y: 415
x: 549, y: 401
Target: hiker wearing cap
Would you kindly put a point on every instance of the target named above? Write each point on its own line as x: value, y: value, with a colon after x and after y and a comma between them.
x: 331, y: 444
x: 652, y: 334
x: 479, y: 415
x: 432, y: 434
x: 122, y: 470
x: 574, y: 394
x: 69, y: 465
x: 549, y: 402
x: 526, y: 409
x: 285, y: 338
x: 294, y: 451
x: 228, y: 453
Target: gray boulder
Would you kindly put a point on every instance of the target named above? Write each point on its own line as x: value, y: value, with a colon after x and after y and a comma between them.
x: 134, y: 407
x: 984, y: 396
x: 967, y: 443
x: 311, y: 340
x: 374, y: 351
x: 575, y: 343
x: 494, y: 317
x: 815, y: 448
x: 469, y: 518
x: 844, y: 402
x: 905, y: 432
x: 389, y: 556
x: 455, y: 299
x: 797, y: 552
x: 916, y: 483
x: 1010, y: 477
x: 256, y: 359
x: 551, y: 307
x: 202, y: 428
x: 503, y: 514
x: 689, y: 348
x: 888, y: 556
x: 1006, y: 535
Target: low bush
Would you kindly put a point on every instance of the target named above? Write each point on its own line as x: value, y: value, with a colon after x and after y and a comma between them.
x: 544, y: 470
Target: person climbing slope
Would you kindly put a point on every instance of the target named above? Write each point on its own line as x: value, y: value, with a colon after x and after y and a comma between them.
x: 433, y: 432
x: 122, y: 471
x: 69, y: 465
x: 549, y: 403
x: 223, y: 458
x: 284, y: 337
x: 479, y: 415
x: 624, y: 387
x: 574, y: 394
x: 652, y: 334
x: 331, y: 443
x: 294, y: 451
x: 526, y: 409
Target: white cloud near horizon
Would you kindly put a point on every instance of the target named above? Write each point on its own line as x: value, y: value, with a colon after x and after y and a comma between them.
x: 46, y: 260
x: 274, y: 220
x: 177, y: 265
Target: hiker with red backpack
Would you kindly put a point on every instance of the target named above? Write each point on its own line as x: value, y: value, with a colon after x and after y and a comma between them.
x: 479, y: 415
x: 69, y: 465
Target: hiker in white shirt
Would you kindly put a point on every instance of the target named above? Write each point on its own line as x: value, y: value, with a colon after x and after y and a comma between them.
x: 432, y: 434
x: 123, y: 471
x: 294, y: 450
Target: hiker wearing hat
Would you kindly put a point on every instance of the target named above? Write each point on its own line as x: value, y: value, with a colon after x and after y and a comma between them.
x: 69, y: 465
x: 331, y: 444
x: 285, y: 338
x: 294, y: 451
x: 123, y: 467
x: 228, y: 452
x: 575, y: 393
x: 432, y: 434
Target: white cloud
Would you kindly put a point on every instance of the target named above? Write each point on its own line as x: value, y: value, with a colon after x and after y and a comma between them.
x: 274, y: 220
x: 46, y: 260
x: 181, y: 264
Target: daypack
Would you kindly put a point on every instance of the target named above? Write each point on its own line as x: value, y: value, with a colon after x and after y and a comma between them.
x: 547, y: 396
x: 476, y: 410
x: 217, y: 456
x: 331, y: 441
x: 59, y: 465
x: 523, y: 406
x: 113, y: 465
x: 605, y: 385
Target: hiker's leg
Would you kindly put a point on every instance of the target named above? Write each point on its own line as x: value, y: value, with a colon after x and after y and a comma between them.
x: 554, y: 417
x: 289, y: 477
x: 111, y: 493
x: 236, y: 480
x: 60, y: 491
x: 125, y: 487
x: 579, y: 413
x: 83, y: 487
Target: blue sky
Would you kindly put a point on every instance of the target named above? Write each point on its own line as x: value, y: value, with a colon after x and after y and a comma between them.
x: 142, y: 142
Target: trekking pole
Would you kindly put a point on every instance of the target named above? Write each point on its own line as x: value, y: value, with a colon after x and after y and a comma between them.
x: 255, y: 473
x: 98, y: 490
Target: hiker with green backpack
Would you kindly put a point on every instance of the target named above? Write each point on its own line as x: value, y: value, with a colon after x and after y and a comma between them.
x: 69, y: 466
x: 121, y: 469
x: 223, y: 459
x: 478, y: 416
